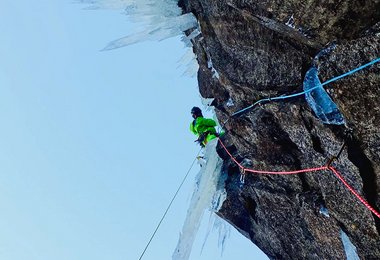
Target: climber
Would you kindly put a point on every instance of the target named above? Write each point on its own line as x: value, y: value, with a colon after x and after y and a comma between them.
x: 203, y: 128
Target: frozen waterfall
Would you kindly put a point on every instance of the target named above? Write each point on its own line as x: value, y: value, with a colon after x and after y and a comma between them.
x: 208, y: 195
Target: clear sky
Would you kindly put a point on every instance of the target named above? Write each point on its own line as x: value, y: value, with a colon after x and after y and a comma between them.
x: 93, y: 144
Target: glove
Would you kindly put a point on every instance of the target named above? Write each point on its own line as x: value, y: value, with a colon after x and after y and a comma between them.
x: 200, y: 143
x: 201, y: 139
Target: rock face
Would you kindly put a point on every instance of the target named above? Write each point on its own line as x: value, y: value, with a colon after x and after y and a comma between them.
x: 254, y: 49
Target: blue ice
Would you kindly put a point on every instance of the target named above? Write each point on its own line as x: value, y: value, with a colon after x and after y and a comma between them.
x: 321, y: 103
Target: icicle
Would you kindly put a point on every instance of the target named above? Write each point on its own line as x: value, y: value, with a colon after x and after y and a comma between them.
x: 222, y: 227
x: 186, y: 41
x: 161, y: 19
x: 210, y: 65
x: 193, y: 34
x: 349, y: 248
x: 106, y: 4
x: 224, y: 231
x: 242, y: 180
x: 168, y: 28
x: 189, y: 60
x: 206, y: 102
x: 202, y: 199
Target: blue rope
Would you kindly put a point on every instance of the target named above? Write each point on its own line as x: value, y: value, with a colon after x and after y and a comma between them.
x: 242, y: 111
x: 351, y: 72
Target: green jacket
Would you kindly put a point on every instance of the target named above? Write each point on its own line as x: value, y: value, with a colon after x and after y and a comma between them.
x: 201, y: 125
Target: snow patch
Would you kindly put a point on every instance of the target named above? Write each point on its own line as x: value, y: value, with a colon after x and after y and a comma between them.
x: 291, y: 22
x: 230, y: 103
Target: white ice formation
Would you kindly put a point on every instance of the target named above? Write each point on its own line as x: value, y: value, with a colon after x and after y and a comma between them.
x: 208, y: 195
x: 161, y: 19
x: 349, y: 248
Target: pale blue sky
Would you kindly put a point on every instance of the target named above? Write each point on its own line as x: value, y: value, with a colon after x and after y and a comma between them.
x: 93, y: 144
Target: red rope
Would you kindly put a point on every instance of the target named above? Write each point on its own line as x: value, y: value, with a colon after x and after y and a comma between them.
x: 228, y: 152
x: 289, y: 172
x: 272, y: 172
x: 337, y: 174
x: 362, y: 200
